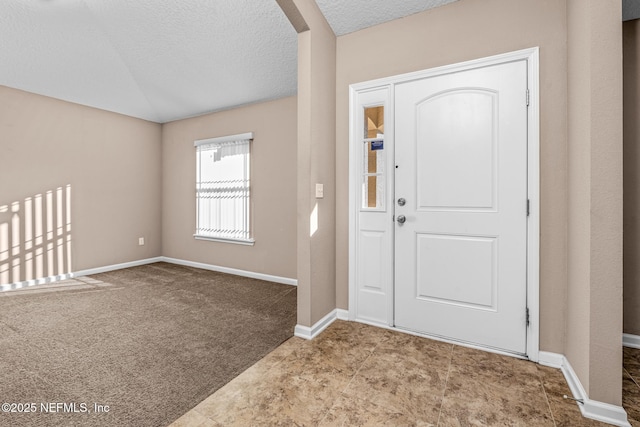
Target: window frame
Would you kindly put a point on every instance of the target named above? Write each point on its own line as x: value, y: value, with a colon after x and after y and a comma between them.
x: 239, y: 138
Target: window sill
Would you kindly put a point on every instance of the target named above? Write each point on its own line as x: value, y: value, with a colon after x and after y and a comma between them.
x: 248, y: 242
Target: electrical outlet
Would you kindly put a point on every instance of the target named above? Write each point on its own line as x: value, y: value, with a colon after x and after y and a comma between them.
x: 141, y: 241
x: 319, y: 191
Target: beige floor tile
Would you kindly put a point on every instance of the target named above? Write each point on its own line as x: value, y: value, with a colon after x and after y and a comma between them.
x: 494, y: 368
x: 471, y: 401
x: 364, y: 336
x: 276, y: 398
x: 632, y: 362
x: 349, y: 411
x: 631, y: 355
x: 194, y: 419
x: 327, y: 359
x: 401, y: 386
x: 630, y: 397
x: 417, y: 350
x: 282, y: 351
x: 333, y: 352
x: 553, y: 381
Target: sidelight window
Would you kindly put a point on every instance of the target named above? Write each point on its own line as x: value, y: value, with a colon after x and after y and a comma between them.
x: 374, y: 159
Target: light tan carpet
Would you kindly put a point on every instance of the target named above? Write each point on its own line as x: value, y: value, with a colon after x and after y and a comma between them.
x: 150, y: 342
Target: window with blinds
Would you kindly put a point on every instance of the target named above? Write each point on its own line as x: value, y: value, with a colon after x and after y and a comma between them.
x: 223, y: 189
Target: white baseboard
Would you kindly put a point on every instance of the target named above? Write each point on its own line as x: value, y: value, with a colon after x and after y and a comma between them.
x: 552, y: 360
x: 114, y: 267
x: 632, y: 341
x: 342, y: 314
x: 243, y: 273
x: 593, y: 409
x: 310, y: 333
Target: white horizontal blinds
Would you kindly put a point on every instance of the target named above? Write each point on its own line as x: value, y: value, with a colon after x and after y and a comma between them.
x: 223, y: 189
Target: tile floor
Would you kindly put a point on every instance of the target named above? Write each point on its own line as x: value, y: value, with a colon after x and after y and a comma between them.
x: 354, y: 375
x: 631, y: 385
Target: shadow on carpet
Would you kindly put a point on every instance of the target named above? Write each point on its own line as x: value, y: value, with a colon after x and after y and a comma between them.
x: 147, y: 342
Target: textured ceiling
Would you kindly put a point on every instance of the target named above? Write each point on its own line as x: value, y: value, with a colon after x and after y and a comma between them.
x: 153, y: 59
x: 349, y: 15
x: 163, y: 60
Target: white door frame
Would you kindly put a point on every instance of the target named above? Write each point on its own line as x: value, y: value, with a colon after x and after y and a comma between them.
x: 533, y: 179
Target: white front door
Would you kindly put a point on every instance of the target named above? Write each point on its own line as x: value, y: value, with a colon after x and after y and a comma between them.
x: 461, y: 168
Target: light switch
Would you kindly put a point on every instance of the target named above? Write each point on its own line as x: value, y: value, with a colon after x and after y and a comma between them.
x: 319, y: 191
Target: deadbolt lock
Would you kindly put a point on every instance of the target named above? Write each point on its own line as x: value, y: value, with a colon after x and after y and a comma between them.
x: 401, y: 201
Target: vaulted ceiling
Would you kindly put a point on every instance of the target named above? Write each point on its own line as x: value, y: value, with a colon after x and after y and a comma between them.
x: 163, y: 60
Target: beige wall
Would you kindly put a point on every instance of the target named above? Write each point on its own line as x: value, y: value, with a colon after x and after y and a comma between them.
x: 461, y: 31
x: 273, y: 188
x: 631, y: 39
x: 106, y: 165
x: 316, y: 164
x: 594, y: 306
x: 579, y: 235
